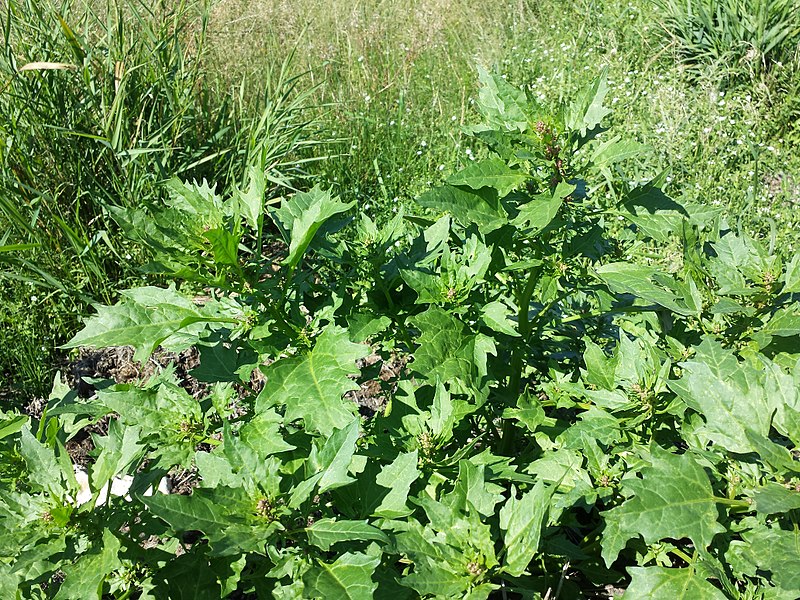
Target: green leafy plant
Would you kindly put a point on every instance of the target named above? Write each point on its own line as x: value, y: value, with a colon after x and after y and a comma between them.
x: 560, y: 419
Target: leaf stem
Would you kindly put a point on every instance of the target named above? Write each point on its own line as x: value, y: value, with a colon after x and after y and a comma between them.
x: 732, y: 503
x: 683, y: 556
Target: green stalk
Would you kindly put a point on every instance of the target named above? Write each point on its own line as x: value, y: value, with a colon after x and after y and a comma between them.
x: 126, y: 594
x: 689, y: 560
x: 734, y: 504
x: 509, y: 431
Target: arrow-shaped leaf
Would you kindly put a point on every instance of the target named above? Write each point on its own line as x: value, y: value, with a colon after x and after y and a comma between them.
x: 146, y: 318
x: 521, y: 521
x: 660, y: 583
x: 349, y: 578
x: 490, y: 172
x: 326, y: 532
x: 300, y: 217
x: 311, y: 386
x: 673, y: 499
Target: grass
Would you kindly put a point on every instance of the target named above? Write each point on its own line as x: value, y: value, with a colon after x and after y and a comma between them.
x: 381, y: 87
x: 394, y: 78
x: 745, y: 36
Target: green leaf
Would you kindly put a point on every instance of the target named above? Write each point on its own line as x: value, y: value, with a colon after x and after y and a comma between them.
x: 528, y: 411
x: 785, y: 322
x: 191, y: 577
x: 225, y: 362
x: 774, y: 498
x: 495, y: 315
x: 774, y: 551
x: 537, y: 214
x: 772, y: 454
x: 251, y: 201
x: 300, y: 217
x: 655, y: 214
x: 311, y: 386
x: 224, y: 245
x: 521, y: 521
x: 258, y: 439
x: 660, y: 583
x: 600, y: 370
x: 146, y: 318
x: 336, y: 456
x: 586, y: 111
x: 446, y: 352
x: 442, y: 414
x: 327, y: 532
x: 151, y: 408
x: 198, y: 200
x: 783, y: 393
x: 616, y: 150
x: 791, y: 279
x: 489, y: 172
x: 562, y: 468
x: 11, y: 424
x: 208, y: 510
x: 118, y: 449
x: 627, y: 278
x: 673, y: 499
x: 264, y: 435
x: 348, y: 578
x: 504, y: 106
x: 437, y: 579
x: 363, y: 325
x: 43, y: 467
x: 83, y: 579
x: 728, y: 394
x: 163, y: 413
x: 481, y: 207
x: 446, y: 553
x: 471, y: 491
x: 398, y: 477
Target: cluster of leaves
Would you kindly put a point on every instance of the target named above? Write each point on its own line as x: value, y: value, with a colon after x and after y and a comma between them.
x: 564, y: 420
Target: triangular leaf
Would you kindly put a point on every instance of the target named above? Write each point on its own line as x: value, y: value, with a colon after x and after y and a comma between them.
x: 348, y: 578
x: 481, y: 207
x: 327, y: 532
x: 489, y: 172
x: 660, y: 583
x: 301, y: 217
x: 521, y: 522
x: 311, y: 386
x: 673, y: 499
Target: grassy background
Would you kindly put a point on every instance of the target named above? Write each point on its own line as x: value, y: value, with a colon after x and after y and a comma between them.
x: 379, y: 89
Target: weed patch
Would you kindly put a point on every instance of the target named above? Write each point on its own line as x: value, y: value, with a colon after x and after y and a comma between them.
x: 566, y: 420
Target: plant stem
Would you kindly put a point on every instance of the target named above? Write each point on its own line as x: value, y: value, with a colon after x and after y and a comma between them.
x: 509, y: 432
x: 126, y: 594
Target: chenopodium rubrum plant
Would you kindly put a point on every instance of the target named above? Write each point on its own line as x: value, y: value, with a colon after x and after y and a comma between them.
x: 559, y: 418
